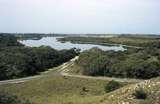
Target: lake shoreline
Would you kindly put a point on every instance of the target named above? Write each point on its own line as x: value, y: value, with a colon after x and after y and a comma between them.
x: 56, y: 44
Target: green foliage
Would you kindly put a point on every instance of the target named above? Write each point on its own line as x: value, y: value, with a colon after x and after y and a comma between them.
x: 111, y: 86
x: 19, y: 61
x: 133, y: 63
x: 8, y: 40
x: 140, y: 94
x: 11, y: 99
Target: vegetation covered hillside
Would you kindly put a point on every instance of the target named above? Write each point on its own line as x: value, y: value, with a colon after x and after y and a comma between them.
x: 133, y: 63
x: 19, y: 61
x: 51, y: 89
x: 62, y: 85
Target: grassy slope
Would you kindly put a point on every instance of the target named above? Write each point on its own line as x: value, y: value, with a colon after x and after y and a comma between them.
x: 65, y: 90
x: 124, y: 95
x: 75, y: 69
x: 57, y: 90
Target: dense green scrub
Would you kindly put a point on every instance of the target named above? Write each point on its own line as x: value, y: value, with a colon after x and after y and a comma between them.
x: 133, y: 63
x: 8, y: 40
x: 19, y: 61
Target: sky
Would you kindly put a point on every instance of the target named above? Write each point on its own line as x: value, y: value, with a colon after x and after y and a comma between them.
x: 80, y: 16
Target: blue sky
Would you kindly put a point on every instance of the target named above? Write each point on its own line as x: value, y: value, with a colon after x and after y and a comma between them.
x: 80, y: 16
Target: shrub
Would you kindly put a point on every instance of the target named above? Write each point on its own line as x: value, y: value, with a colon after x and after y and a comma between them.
x: 142, y: 63
x: 84, y: 89
x: 6, y: 98
x: 140, y: 94
x: 112, y: 85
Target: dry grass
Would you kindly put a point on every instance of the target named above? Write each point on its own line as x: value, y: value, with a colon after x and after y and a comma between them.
x: 57, y: 90
x: 125, y: 94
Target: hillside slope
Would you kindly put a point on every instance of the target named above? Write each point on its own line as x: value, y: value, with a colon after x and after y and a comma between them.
x: 124, y: 95
x: 54, y: 88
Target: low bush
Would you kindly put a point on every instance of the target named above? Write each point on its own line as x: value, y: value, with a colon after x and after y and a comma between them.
x: 12, y: 99
x: 140, y: 94
x: 111, y: 86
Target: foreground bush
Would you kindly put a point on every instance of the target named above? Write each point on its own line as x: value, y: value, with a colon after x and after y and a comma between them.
x: 140, y: 94
x: 111, y: 86
x: 11, y: 99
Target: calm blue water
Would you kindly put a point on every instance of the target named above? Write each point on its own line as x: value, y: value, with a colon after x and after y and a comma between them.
x: 52, y: 42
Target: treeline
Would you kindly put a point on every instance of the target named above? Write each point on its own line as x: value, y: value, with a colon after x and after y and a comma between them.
x: 133, y: 63
x: 8, y: 40
x: 31, y: 35
x: 19, y: 61
x: 132, y: 41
